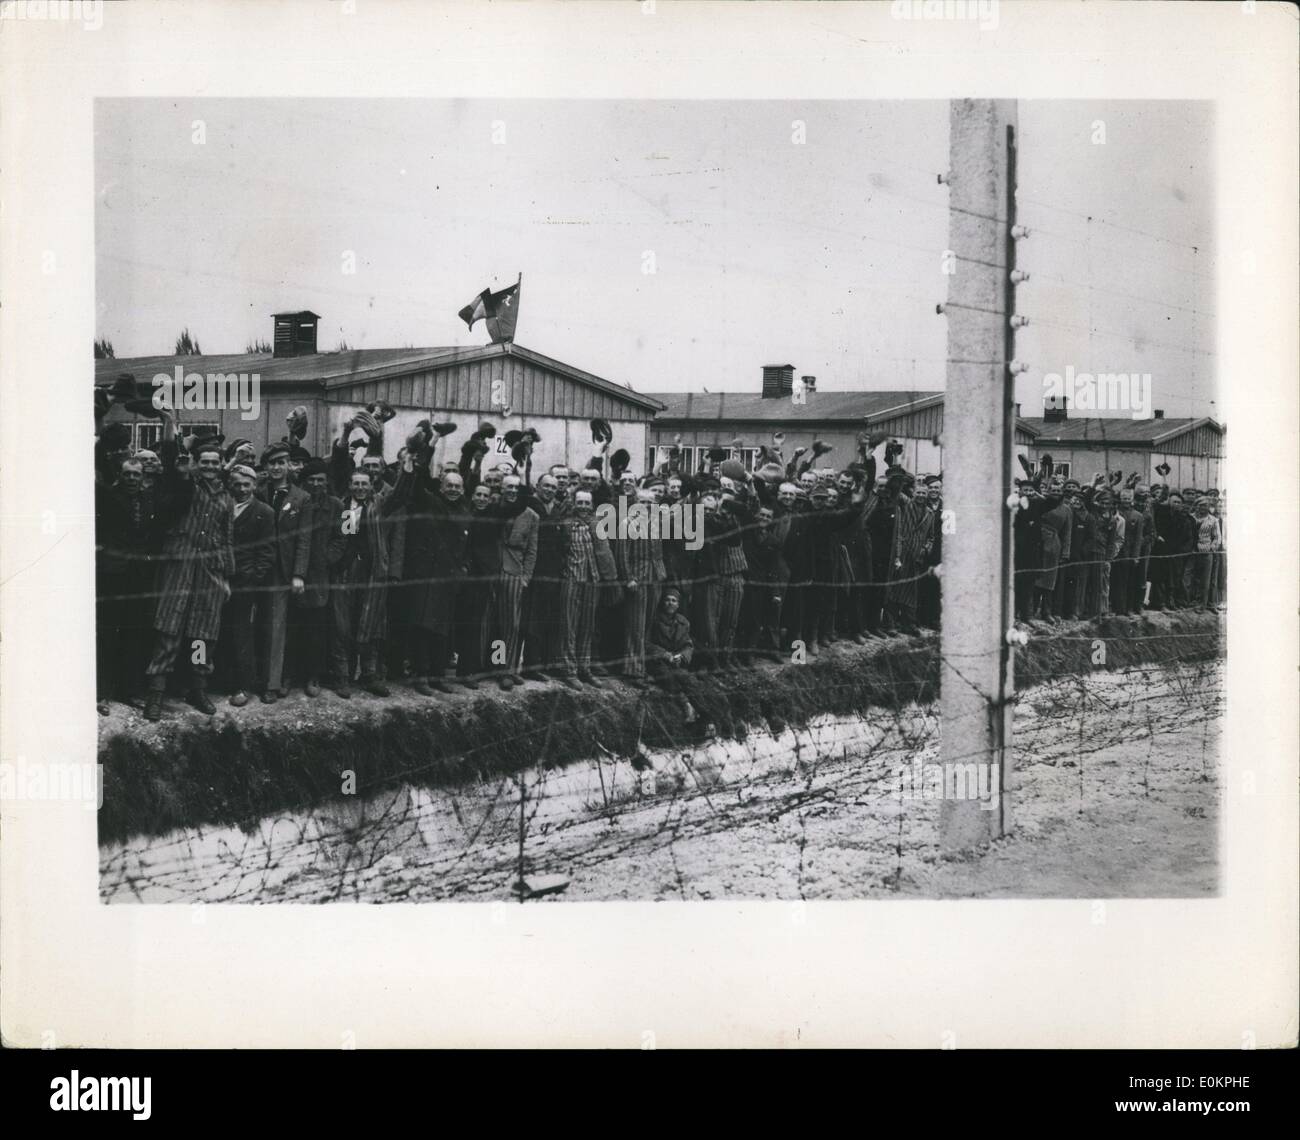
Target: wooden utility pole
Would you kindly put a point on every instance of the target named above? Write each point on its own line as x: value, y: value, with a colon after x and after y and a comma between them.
x: 979, y: 418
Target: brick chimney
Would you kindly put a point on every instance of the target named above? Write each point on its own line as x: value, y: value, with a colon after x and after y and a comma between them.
x: 778, y: 381
x: 295, y: 333
x: 1055, y: 411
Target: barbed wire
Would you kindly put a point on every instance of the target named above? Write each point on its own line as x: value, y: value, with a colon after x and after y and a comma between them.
x: 404, y: 841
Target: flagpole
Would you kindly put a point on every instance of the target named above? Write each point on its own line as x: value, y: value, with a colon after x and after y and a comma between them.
x: 518, y: 289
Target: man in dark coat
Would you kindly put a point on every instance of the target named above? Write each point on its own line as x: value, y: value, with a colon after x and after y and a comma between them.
x: 290, y: 553
x: 670, y: 648
x: 254, y: 534
x: 907, y: 553
x: 641, y: 573
x: 823, y: 546
x: 679, y: 560
x: 721, y: 580
x: 310, y: 613
x: 766, y: 575
x: 358, y: 557
x: 1124, y: 569
x: 1077, y: 569
x: 1055, y: 530
x: 1026, y: 548
x: 543, y: 646
x: 1179, y: 542
x: 126, y: 549
x: 434, y: 567
x: 798, y: 557
x: 927, y: 589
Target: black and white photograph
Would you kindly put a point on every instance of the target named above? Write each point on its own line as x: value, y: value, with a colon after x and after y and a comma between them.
x: 569, y: 587
x: 701, y: 515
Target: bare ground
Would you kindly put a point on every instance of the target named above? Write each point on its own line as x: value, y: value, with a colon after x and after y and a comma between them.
x: 1115, y: 795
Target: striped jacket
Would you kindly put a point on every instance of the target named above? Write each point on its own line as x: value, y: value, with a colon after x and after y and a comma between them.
x: 579, y: 551
x: 587, y: 556
x: 639, y: 559
x: 198, y: 554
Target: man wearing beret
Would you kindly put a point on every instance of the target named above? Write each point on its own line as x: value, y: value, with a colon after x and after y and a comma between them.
x: 291, y: 551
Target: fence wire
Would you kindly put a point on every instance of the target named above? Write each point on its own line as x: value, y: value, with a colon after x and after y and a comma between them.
x: 831, y: 809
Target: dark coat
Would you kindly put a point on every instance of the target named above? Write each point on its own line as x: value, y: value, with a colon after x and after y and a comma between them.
x: 1134, y: 526
x: 358, y: 558
x: 1055, y: 531
x: 254, y: 532
x: 669, y: 636
x: 549, y: 567
x: 127, y: 534
x: 437, y: 553
x: 798, y: 546
x: 1083, y: 536
x: 765, y: 553
x: 292, y: 546
x: 317, y: 579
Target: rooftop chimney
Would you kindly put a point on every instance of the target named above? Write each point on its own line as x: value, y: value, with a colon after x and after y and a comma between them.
x: 778, y: 381
x: 1054, y: 410
x: 295, y: 333
x: 809, y: 384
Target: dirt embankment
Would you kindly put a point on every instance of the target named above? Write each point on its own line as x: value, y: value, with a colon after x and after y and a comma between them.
x: 244, y: 764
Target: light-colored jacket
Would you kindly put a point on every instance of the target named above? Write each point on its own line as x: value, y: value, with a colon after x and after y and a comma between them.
x: 519, y: 545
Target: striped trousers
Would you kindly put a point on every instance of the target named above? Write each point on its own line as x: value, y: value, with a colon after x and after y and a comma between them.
x: 510, y: 613
x: 168, y: 647
x: 636, y: 616
x: 578, y: 601
x: 725, y: 594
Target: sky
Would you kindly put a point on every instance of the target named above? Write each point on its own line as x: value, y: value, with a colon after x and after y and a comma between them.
x: 818, y: 245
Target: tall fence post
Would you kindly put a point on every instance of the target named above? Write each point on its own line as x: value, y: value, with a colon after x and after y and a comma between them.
x: 979, y: 417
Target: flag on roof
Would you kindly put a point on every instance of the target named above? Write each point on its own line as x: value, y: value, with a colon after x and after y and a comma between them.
x: 499, y: 310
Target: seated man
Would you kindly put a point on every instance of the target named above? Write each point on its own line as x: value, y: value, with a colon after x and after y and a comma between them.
x: 669, y: 647
x: 668, y: 654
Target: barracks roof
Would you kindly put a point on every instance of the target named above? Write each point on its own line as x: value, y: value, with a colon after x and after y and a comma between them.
x: 750, y: 406
x: 339, y: 369
x: 1115, y: 430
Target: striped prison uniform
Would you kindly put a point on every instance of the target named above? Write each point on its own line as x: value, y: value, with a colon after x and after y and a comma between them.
x: 725, y: 594
x: 510, y: 612
x: 637, y: 563
x: 198, y: 560
x: 578, y: 596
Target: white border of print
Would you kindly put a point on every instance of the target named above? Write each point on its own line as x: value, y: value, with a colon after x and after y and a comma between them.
x: 1028, y: 972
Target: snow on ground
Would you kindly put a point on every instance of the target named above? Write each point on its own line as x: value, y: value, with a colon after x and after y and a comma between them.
x: 1115, y: 794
